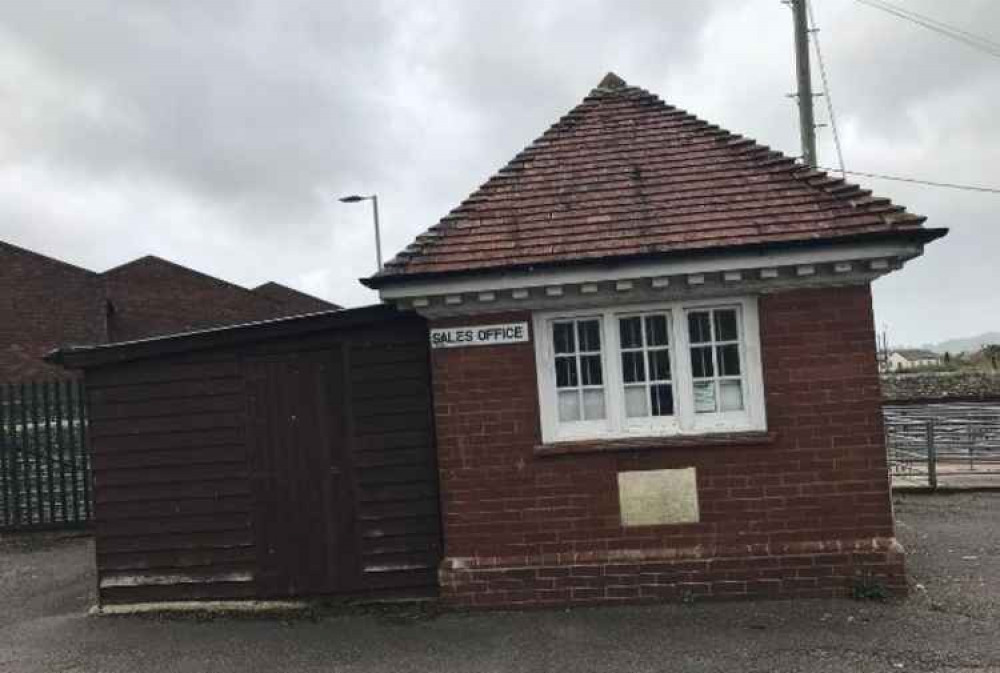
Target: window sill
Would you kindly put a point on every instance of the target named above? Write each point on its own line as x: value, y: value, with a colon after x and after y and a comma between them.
x: 705, y: 441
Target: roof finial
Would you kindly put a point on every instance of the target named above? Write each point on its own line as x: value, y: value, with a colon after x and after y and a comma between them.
x: 612, y: 82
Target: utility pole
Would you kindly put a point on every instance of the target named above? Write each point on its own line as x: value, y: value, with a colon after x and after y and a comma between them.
x: 803, y: 74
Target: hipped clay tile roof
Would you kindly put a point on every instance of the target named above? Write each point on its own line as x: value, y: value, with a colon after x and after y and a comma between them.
x: 624, y: 175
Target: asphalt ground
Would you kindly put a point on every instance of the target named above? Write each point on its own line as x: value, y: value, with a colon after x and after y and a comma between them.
x: 951, y: 622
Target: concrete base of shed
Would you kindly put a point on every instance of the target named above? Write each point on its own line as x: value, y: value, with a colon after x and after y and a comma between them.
x: 817, y: 569
x: 259, y: 608
x: 207, y: 607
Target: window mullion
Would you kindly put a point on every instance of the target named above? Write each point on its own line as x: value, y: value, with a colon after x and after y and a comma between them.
x: 644, y: 356
x: 614, y: 393
x: 716, y: 373
x: 682, y: 380
x: 579, y: 364
x: 579, y: 369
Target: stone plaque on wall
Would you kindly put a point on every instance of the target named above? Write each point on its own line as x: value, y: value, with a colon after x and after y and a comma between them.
x: 658, y: 497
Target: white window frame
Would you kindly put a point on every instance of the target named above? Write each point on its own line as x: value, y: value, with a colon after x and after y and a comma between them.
x: 684, y: 421
x: 650, y: 425
x: 582, y: 427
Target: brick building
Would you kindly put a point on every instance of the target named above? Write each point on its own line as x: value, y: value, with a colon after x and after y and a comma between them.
x: 654, y: 367
x: 46, y: 303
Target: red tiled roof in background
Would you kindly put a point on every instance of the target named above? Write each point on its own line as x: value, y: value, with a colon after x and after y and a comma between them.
x: 46, y: 303
x: 294, y: 301
x: 623, y: 175
x: 151, y: 296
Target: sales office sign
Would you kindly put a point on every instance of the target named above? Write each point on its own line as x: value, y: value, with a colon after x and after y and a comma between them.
x: 480, y: 335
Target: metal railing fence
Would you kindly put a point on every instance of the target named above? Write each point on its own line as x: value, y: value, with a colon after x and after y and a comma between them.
x: 44, y: 464
x: 951, y: 444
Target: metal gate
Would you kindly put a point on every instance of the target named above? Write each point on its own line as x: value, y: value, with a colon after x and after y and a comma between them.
x: 954, y: 444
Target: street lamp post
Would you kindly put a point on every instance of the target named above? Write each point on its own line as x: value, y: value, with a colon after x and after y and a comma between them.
x: 354, y: 198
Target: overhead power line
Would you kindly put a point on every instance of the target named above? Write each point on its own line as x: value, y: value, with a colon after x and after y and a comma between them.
x: 979, y: 42
x: 983, y: 44
x: 826, y: 87
x: 972, y: 39
x: 935, y: 23
x: 930, y: 183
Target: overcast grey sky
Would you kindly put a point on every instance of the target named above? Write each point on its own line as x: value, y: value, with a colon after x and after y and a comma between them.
x: 216, y: 134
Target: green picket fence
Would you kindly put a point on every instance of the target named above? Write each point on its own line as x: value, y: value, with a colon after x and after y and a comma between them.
x: 44, y: 465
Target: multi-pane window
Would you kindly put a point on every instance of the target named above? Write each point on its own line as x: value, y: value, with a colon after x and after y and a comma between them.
x: 667, y: 368
x: 645, y: 356
x: 716, y: 371
x: 579, y: 369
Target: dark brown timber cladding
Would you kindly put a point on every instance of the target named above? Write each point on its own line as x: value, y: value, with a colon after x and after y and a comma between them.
x: 293, y: 466
x: 395, y: 461
x: 172, y: 497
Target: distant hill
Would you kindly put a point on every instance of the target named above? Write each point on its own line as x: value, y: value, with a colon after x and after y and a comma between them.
x: 966, y: 344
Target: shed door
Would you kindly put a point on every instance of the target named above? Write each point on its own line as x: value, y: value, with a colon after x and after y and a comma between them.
x: 304, y: 513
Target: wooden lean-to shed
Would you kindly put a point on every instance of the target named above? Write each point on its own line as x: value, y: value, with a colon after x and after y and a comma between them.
x: 280, y: 459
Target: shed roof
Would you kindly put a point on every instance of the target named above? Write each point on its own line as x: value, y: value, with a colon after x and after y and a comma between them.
x: 625, y: 175
x: 216, y: 337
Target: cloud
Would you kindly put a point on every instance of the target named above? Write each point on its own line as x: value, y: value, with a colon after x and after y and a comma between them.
x: 219, y: 134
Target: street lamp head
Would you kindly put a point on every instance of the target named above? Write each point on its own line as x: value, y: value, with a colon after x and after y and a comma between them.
x: 354, y: 198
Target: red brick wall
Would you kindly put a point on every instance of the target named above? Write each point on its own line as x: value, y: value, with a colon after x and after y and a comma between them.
x: 804, y: 513
x: 44, y: 304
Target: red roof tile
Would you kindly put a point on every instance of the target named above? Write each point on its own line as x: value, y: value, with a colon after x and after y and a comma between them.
x: 625, y: 175
x: 292, y: 300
